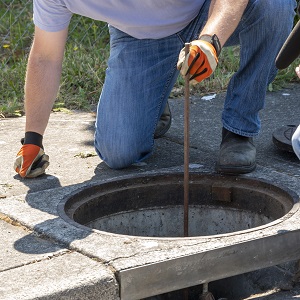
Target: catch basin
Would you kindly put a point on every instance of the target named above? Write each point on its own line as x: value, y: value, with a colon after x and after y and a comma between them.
x: 153, y: 207
x: 233, y: 221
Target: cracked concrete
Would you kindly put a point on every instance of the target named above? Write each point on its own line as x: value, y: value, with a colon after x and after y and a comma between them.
x: 45, y: 257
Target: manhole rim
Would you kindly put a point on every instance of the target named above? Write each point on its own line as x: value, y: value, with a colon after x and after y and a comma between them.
x: 284, y: 218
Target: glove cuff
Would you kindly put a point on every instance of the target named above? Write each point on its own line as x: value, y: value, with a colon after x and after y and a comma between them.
x: 214, y: 40
x: 33, y: 138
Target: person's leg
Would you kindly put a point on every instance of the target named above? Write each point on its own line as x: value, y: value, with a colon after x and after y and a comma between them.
x: 261, y: 33
x: 139, y: 79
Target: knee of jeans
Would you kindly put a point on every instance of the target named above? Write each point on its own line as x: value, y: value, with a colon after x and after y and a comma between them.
x: 117, y: 154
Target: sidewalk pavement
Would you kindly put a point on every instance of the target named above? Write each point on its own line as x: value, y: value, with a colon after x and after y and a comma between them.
x: 33, y: 264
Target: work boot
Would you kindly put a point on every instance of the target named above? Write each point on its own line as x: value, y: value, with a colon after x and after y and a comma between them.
x: 237, y: 154
x: 164, y: 123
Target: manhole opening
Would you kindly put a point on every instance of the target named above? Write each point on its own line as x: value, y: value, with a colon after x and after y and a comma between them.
x: 152, y: 206
x: 266, y: 283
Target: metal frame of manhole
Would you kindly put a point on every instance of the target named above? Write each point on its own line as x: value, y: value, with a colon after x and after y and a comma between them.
x: 148, y: 266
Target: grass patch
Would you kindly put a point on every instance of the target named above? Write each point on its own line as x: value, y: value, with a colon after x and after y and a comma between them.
x: 84, y: 65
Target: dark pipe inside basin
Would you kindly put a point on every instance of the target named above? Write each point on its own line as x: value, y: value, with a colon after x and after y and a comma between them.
x: 153, y: 205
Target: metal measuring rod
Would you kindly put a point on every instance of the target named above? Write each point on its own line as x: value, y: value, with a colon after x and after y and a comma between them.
x: 206, y: 295
x: 186, y: 147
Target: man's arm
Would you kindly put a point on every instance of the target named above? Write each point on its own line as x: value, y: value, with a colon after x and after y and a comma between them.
x: 41, y: 86
x: 43, y: 77
x: 224, y: 17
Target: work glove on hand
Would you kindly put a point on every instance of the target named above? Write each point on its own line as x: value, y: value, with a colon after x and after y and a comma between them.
x: 31, y: 160
x: 202, y: 59
x: 296, y: 142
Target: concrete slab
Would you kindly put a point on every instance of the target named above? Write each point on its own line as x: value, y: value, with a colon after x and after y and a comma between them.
x: 73, y: 165
x: 23, y: 247
x: 71, y: 276
x: 32, y: 267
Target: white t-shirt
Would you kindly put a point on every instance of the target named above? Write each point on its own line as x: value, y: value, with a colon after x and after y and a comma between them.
x: 139, y: 18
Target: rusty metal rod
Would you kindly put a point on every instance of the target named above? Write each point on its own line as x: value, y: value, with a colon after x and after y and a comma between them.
x: 186, y: 157
x: 186, y: 147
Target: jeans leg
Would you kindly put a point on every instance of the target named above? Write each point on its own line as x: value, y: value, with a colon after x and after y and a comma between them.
x: 261, y: 33
x: 139, y: 79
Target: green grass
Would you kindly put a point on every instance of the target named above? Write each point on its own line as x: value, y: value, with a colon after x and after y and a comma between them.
x: 83, y: 67
x: 84, y: 64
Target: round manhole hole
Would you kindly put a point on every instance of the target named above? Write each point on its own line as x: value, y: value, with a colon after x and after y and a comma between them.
x: 152, y: 206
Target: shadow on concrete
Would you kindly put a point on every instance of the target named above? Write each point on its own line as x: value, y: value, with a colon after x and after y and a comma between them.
x: 45, y: 233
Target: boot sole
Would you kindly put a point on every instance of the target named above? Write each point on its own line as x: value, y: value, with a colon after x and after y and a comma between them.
x: 234, y: 170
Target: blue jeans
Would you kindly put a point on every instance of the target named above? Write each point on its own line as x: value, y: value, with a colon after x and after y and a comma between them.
x: 142, y: 72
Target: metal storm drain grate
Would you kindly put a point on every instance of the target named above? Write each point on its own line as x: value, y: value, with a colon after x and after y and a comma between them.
x: 233, y: 221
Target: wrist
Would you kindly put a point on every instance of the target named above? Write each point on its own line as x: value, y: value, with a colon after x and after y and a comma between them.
x: 214, y: 40
x: 33, y: 138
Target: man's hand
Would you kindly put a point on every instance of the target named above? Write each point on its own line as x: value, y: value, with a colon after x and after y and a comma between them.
x: 200, y: 62
x: 31, y: 160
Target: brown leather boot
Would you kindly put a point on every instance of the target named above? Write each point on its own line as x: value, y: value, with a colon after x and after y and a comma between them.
x: 237, y: 154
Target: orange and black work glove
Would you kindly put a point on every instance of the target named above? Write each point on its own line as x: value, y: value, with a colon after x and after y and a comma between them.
x: 31, y: 160
x: 202, y: 59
